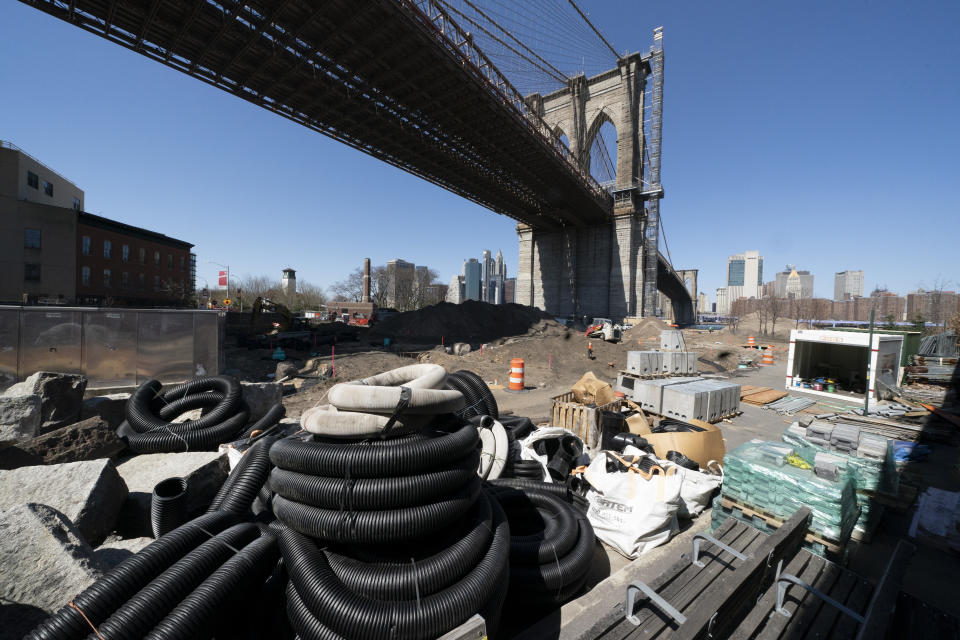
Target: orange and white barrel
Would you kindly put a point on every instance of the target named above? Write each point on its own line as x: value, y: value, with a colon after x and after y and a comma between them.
x: 516, y: 375
x: 751, y: 341
x: 767, y: 359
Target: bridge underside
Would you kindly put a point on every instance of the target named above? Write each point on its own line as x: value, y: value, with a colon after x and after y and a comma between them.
x: 392, y: 78
x: 595, y: 271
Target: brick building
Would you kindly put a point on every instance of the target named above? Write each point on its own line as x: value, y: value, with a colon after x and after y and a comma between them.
x: 119, y: 264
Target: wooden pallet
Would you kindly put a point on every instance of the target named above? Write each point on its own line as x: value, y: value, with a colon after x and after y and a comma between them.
x: 899, y: 503
x: 774, y: 522
x: 762, y: 395
x: 660, y: 375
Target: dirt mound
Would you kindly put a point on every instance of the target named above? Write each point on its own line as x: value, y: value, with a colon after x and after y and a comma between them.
x: 470, y: 321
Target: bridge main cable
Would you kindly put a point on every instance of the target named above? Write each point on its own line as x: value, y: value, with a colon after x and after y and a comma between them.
x: 595, y: 30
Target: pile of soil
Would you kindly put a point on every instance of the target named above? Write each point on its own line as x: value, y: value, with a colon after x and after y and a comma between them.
x: 471, y: 321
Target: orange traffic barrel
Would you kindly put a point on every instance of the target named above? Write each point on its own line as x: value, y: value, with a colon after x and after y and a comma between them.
x: 767, y: 356
x: 516, y: 375
x: 751, y: 341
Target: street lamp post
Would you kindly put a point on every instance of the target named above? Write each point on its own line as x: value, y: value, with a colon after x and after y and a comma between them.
x: 227, y: 267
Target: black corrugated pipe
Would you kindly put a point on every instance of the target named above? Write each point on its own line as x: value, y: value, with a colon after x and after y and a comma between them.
x: 168, y: 505
x: 138, y: 615
x: 480, y: 388
x: 104, y: 596
x: 333, y: 607
x: 480, y: 401
x: 232, y: 586
x: 147, y: 428
x: 273, y: 416
x: 246, y: 480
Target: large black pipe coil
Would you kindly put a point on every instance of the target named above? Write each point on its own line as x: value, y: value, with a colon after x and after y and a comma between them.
x: 551, y: 543
x: 106, y: 595
x: 480, y: 400
x: 323, y: 606
x: 148, y: 427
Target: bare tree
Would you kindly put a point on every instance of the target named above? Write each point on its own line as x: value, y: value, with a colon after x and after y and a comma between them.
x: 775, y: 307
x: 378, y: 286
x: 737, y: 311
x: 349, y: 289
x: 761, y: 312
x: 936, y: 307
x: 310, y: 296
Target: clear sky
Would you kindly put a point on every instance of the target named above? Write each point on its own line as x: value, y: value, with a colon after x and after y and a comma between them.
x: 820, y: 133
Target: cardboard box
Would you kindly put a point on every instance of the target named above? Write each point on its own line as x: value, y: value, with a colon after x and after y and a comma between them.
x: 701, y: 446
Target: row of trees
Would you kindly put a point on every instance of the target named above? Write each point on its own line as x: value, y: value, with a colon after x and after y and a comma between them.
x: 769, y: 310
x: 307, y: 296
x: 404, y: 293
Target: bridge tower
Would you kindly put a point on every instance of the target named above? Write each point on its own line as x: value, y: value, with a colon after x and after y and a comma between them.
x: 597, y: 271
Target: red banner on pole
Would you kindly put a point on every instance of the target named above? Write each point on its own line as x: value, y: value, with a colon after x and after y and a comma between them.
x: 223, y: 279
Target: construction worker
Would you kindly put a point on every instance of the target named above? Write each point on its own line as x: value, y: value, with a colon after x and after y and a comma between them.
x: 590, y: 350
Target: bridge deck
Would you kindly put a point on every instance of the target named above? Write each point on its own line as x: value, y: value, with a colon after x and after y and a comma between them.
x: 378, y: 75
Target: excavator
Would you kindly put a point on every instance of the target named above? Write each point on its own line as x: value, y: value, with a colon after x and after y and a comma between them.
x: 288, y: 330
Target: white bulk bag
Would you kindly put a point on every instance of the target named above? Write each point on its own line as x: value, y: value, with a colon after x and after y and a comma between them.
x: 632, y: 511
x: 696, y: 487
x: 545, y: 433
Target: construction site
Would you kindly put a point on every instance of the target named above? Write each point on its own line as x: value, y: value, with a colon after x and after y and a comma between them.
x: 594, y: 456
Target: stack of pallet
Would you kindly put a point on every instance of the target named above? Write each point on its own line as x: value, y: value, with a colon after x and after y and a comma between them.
x: 759, y: 396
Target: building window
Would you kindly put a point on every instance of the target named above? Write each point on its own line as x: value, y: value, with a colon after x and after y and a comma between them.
x: 183, y: 263
x: 85, y: 246
x: 141, y: 280
x: 31, y: 238
x: 85, y: 276
x: 156, y: 258
x: 76, y: 203
x: 48, y: 188
x: 125, y: 252
x: 143, y: 256
x: 33, y: 180
x: 107, y: 248
x: 124, y: 279
x: 156, y: 282
x: 31, y: 272
x: 106, y: 278
x: 169, y: 261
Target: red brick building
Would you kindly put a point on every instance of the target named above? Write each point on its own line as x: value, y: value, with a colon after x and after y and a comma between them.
x: 122, y: 265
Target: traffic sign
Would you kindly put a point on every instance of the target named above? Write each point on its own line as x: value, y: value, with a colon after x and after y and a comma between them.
x: 226, y: 302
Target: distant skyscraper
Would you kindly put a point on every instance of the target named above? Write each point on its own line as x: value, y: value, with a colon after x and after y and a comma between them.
x: 455, y: 291
x: 472, y: 274
x: 791, y: 283
x: 847, y: 284
x: 745, y: 270
x: 401, y: 276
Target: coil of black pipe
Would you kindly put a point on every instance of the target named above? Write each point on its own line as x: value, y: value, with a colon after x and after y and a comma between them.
x: 103, y: 597
x: 551, y: 543
x: 234, y: 583
x: 480, y: 400
x: 330, y: 607
x: 150, y: 410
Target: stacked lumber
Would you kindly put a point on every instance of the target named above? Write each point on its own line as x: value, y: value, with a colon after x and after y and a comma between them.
x: 759, y: 396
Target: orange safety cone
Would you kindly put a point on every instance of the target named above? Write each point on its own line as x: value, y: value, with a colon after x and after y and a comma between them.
x: 767, y: 359
x: 516, y: 375
x: 751, y: 341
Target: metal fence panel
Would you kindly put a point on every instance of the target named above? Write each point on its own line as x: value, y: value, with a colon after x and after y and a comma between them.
x: 110, y: 348
x: 50, y: 341
x: 9, y: 346
x: 206, y: 343
x: 165, y: 346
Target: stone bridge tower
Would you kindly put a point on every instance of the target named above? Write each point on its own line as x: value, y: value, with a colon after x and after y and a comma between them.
x: 595, y: 271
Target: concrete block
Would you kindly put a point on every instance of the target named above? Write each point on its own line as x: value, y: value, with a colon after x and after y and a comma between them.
x: 88, y: 493
x: 260, y: 396
x: 649, y: 393
x: 685, y: 402
x: 45, y: 561
x: 672, y: 340
x: 85, y: 440
x: 644, y: 362
x: 679, y: 362
x: 61, y: 396
x: 20, y: 418
x: 113, y: 552
x: 111, y: 408
x: 205, y: 471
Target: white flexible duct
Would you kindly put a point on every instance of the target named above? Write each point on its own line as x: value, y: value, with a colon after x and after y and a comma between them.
x: 496, y: 448
x: 381, y: 393
x: 327, y: 420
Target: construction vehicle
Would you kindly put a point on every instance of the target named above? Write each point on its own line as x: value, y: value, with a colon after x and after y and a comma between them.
x: 288, y: 330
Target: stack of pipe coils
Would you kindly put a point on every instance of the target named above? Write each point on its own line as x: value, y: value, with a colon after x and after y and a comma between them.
x: 150, y: 413
x: 551, y: 543
x: 386, y: 532
x: 479, y: 399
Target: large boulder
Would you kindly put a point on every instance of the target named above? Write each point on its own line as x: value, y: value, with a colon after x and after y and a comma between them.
x: 112, y: 408
x: 88, y: 493
x: 16, y: 456
x: 61, y: 395
x: 20, y: 418
x: 85, y: 440
x: 205, y: 471
x: 260, y: 396
x: 46, y: 562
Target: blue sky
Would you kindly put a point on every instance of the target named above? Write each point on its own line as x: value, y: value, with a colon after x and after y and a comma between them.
x: 820, y: 133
